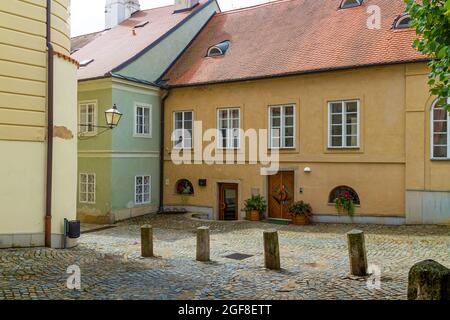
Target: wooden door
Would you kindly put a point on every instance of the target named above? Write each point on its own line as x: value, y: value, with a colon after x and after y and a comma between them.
x: 281, y: 194
x: 228, y: 201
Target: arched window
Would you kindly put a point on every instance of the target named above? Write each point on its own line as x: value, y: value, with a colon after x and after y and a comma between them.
x: 440, y: 131
x: 403, y: 22
x: 219, y: 49
x: 342, y: 190
x: 350, y: 3
x: 184, y: 187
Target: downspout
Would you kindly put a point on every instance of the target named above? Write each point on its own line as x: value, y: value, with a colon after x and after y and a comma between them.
x: 161, y: 156
x: 48, y: 200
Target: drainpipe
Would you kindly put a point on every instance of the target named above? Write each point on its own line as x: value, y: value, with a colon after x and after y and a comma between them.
x: 48, y: 200
x: 161, y: 157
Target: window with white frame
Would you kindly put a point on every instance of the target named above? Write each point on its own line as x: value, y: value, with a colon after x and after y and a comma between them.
x: 282, y: 127
x: 143, y: 120
x: 229, y: 123
x: 440, y: 130
x: 142, y: 189
x: 343, y: 128
x: 183, y: 125
x: 87, y: 187
x: 88, y: 117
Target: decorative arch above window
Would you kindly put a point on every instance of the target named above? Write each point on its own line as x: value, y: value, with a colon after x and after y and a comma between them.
x: 345, y: 4
x: 440, y: 131
x: 184, y: 187
x: 219, y: 49
x: 403, y: 22
x: 342, y: 190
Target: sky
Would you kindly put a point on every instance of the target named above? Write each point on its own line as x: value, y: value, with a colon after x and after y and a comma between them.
x: 89, y: 15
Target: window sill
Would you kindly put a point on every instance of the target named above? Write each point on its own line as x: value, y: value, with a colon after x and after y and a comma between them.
x: 440, y: 159
x: 355, y: 205
x: 145, y: 136
x: 142, y: 204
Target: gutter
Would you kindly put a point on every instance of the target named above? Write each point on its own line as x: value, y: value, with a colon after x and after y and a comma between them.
x: 161, y: 156
x: 50, y: 80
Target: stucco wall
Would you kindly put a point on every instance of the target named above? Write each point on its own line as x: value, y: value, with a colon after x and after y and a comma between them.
x: 376, y: 170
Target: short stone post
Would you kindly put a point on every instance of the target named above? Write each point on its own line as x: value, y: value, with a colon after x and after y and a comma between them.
x: 429, y: 280
x: 203, y: 247
x: 271, y: 250
x: 147, y: 241
x: 357, y: 253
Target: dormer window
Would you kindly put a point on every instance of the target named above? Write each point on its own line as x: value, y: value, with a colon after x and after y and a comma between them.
x: 86, y: 62
x: 141, y: 24
x: 350, y: 3
x: 219, y: 49
x: 403, y: 22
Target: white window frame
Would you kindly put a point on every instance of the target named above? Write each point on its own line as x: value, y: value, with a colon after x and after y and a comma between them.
x: 229, y: 137
x: 432, y: 133
x: 87, y: 188
x: 282, y: 126
x: 142, y: 193
x: 83, y: 127
x: 150, y: 119
x: 344, y: 125
x: 183, y: 112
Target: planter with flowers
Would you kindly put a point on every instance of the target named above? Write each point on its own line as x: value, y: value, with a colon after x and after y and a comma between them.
x: 255, y: 207
x: 301, y: 213
x: 344, y: 203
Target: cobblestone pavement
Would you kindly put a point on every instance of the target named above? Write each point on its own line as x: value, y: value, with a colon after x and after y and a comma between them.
x: 314, y: 261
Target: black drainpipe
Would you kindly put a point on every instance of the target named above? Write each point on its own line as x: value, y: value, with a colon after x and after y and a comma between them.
x: 48, y: 200
x: 162, y: 152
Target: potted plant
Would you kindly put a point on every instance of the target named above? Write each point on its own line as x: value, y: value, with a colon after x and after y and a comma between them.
x: 300, y: 212
x: 344, y: 203
x: 254, y: 207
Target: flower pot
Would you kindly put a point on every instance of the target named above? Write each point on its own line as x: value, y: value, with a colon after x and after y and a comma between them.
x: 253, y: 215
x: 300, y: 219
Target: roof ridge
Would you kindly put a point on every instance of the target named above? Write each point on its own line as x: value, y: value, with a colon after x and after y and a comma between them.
x: 256, y: 6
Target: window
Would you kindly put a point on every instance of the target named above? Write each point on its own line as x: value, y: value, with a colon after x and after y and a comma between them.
x: 184, y: 187
x: 403, y: 22
x: 88, y: 117
x: 143, y: 120
x: 142, y: 189
x: 219, y: 49
x: 228, y: 126
x: 350, y: 3
x: 282, y: 126
x: 87, y: 187
x: 343, y: 129
x: 342, y: 190
x: 86, y: 62
x: 440, y: 132
x: 183, y: 124
x: 141, y: 24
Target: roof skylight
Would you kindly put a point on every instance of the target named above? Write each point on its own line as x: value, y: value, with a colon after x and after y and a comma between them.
x: 219, y: 49
x: 403, y: 22
x: 350, y: 3
x: 86, y: 62
x: 141, y: 24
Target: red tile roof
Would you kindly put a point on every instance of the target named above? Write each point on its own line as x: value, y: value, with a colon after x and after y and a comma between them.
x: 294, y: 37
x: 118, y: 45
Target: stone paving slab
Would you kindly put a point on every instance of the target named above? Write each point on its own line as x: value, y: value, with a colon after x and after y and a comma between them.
x: 314, y: 262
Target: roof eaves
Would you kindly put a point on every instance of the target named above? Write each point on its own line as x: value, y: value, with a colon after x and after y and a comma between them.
x: 160, y: 39
x: 298, y: 73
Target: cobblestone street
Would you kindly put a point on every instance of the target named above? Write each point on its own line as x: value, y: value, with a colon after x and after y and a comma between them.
x: 314, y: 261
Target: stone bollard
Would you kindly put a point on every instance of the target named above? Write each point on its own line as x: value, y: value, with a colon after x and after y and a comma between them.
x: 357, y: 253
x: 147, y: 241
x: 271, y: 250
x: 203, y: 244
x: 429, y: 280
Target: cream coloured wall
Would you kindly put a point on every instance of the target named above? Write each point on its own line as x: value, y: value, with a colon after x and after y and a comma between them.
x: 23, y: 103
x: 391, y: 139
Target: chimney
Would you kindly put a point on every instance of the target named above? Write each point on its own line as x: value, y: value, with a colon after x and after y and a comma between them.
x: 117, y: 11
x: 185, y: 5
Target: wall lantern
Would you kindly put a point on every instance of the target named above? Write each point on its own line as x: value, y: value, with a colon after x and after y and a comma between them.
x: 113, y: 117
x: 307, y: 170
